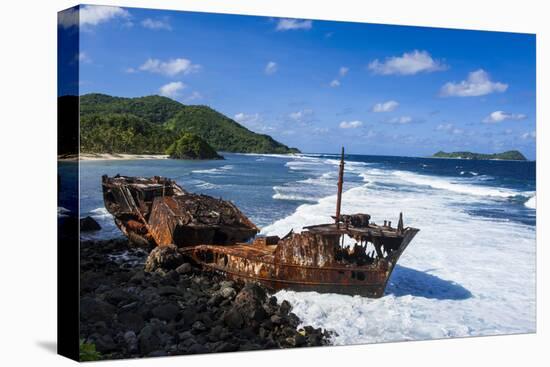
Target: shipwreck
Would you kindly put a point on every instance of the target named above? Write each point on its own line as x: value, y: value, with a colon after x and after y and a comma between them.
x: 352, y: 255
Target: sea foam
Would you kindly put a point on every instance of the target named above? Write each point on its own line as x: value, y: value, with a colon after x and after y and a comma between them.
x: 453, y: 280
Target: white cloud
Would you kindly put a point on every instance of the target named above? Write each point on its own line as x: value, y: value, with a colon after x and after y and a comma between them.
x: 410, y: 63
x: 344, y: 70
x: 246, y: 118
x: 271, y: 68
x: 171, y: 67
x: 156, y: 24
x: 171, y: 90
x: 478, y: 83
x: 302, y: 116
x: 254, y: 121
x: 193, y: 97
x: 369, y: 134
x: 387, y: 106
x: 320, y: 130
x: 350, y: 124
x: 335, y: 83
x: 84, y: 58
x: 401, y: 120
x: 91, y: 15
x: 449, y: 128
x: 286, y: 24
x: 529, y: 135
x: 499, y: 116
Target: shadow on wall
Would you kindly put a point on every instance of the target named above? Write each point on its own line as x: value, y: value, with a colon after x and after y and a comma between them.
x: 406, y: 281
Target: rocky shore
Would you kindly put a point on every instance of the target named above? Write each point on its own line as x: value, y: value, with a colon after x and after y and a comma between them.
x: 135, y: 304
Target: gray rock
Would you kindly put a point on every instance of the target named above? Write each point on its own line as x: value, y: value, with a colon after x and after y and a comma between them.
x: 138, y: 277
x: 93, y: 309
x: 196, y: 349
x: 166, y: 312
x: 251, y: 294
x: 164, y: 258
x: 276, y: 319
x: 285, y: 307
x: 215, y: 300
x: 184, y: 268
x: 117, y: 295
x: 149, y: 338
x: 227, y: 292
x: 131, y: 341
x: 226, y: 347
x: 185, y: 335
x: 105, y: 344
x: 131, y: 320
x: 168, y: 290
x: 198, y: 326
x: 233, y: 319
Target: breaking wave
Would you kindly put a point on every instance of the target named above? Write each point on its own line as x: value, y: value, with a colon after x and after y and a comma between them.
x: 215, y: 171
x: 431, y: 294
x: 455, y: 185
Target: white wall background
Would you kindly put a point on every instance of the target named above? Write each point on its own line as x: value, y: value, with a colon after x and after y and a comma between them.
x: 28, y: 184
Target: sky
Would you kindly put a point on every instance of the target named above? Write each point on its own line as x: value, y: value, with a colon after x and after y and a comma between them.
x: 319, y: 85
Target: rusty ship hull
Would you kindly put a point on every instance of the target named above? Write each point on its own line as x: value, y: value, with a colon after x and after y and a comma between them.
x: 352, y: 255
x: 311, y: 261
x: 156, y: 211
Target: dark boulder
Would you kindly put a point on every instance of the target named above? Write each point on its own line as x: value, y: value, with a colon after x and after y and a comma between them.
x: 131, y: 320
x: 152, y: 337
x: 117, y: 295
x: 233, y: 319
x: 166, y: 312
x: 104, y: 343
x: 93, y: 309
x: 184, y: 268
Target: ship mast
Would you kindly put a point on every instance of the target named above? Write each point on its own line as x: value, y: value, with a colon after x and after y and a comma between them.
x: 340, y: 184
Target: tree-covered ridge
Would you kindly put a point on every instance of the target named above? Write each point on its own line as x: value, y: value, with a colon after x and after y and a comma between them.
x: 122, y: 133
x: 190, y: 146
x: 512, y: 155
x: 151, y: 124
x: 155, y: 109
x: 223, y: 133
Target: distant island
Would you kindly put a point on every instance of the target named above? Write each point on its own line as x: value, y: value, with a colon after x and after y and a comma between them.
x: 160, y: 125
x: 511, y: 155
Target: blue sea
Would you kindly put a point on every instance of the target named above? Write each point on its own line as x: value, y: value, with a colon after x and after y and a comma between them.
x: 470, y: 270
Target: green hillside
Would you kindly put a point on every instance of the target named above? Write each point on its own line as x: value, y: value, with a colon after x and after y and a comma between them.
x: 512, y: 155
x: 223, y: 133
x: 155, y: 109
x: 123, y: 133
x: 151, y: 124
x: 190, y: 146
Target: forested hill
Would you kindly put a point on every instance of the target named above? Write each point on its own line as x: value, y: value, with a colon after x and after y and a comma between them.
x: 512, y: 155
x: 151, y: 124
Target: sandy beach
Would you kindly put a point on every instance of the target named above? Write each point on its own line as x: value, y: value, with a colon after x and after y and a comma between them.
x: 110, y: 156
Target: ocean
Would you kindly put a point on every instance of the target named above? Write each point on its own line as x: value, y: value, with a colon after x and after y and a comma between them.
x: 470, y: 271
